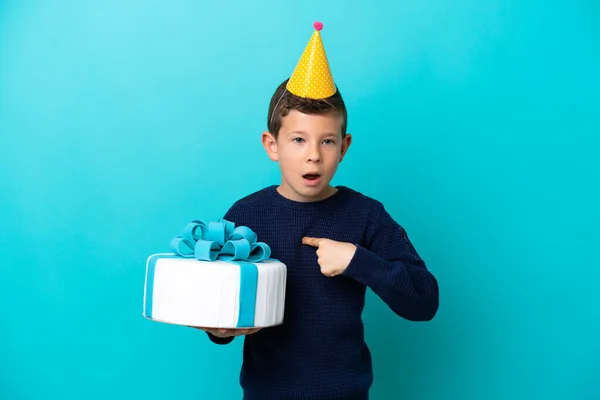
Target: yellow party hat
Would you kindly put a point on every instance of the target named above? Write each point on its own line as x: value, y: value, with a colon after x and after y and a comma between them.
x: 312, y: 77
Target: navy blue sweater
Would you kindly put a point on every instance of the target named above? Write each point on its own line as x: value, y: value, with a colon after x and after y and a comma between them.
x: 319, y: 352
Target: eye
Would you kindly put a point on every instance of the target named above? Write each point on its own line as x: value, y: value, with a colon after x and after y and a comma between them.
x: 298, y: 140
x: 329, y: 141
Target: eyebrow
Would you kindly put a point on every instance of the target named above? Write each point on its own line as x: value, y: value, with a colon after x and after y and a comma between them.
x: 304, y: 133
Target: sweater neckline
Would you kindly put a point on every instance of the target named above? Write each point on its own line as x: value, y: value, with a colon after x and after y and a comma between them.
x: 306, y: 205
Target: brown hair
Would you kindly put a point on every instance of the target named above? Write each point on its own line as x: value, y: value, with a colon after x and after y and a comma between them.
x: 286, y: 101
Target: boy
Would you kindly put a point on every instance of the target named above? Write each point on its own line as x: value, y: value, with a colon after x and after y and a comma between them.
x: 335, y: 243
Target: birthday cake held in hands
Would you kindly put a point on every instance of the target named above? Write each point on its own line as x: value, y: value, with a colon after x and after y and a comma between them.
x: 217, y: 276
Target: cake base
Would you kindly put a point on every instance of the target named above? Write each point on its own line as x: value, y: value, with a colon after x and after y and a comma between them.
x: 214, y: 294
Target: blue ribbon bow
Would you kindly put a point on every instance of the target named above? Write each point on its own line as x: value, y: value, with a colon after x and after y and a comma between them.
x: 219, y: 240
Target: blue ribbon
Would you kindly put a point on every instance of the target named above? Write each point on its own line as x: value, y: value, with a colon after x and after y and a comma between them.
x: 221, y: 240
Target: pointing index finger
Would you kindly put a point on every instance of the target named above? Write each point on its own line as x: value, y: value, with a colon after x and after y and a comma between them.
x: 311, y: 241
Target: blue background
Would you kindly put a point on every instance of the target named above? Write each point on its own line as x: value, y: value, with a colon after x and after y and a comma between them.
x: 475, y: 122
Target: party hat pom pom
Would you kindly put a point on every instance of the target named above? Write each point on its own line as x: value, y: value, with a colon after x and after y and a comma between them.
x: 318, y: 25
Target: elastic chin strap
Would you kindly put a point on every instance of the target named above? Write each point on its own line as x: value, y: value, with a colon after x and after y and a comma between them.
x: 275, y: 108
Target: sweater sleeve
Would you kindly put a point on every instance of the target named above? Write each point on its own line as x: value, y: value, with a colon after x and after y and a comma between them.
x: 218, y: 340
x: 389, y: 264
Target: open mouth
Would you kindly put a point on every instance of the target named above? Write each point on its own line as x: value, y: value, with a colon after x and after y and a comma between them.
x: 311, y: 177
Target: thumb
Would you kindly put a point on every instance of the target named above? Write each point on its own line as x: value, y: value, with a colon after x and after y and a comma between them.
x: 311, y: 241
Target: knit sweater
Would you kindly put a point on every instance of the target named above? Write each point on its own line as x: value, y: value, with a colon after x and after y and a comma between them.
x: 319, y: 352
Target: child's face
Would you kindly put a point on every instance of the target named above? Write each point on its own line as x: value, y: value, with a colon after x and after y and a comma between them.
x: 308, y: 149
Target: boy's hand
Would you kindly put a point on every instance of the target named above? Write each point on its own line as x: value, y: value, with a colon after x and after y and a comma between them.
x: 333, y: 256
x: 223, y: 332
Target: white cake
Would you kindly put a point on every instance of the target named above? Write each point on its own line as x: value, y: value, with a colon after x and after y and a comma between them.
x: 211, y: 280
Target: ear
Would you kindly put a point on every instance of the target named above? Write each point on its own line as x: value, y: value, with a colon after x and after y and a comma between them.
x: 270, y: 145
x: 345, y: 145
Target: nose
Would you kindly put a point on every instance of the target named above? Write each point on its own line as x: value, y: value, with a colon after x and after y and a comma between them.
x: 314, y: 153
